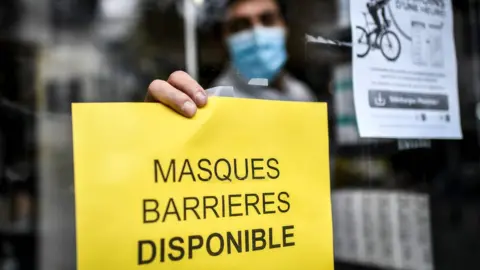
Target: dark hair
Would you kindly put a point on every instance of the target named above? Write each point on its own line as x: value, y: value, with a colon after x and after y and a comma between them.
x: 281, y: 5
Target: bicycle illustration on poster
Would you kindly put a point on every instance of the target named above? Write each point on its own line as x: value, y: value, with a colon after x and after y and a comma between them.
x: 377, y: 34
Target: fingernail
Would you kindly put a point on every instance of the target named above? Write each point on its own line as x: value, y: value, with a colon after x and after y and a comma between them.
x: 201, y: 98
x: 189, y: 108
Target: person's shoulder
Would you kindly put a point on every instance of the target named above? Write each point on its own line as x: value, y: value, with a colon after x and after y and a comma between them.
x: 299, y: 89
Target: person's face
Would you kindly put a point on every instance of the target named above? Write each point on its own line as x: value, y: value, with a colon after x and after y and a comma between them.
x: 247, y: 14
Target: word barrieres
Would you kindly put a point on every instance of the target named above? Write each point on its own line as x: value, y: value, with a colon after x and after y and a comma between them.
x: 232, y: 205
x: 215, y: 244
x: 204, y: 170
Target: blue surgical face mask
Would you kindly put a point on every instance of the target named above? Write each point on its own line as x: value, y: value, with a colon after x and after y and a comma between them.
x: 258, y: 53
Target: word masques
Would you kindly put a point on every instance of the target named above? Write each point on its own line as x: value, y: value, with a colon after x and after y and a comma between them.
x: 222, y: 169
x: 215, y: 244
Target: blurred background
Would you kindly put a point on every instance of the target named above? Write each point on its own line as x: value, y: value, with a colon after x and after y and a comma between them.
x: 397, y: 204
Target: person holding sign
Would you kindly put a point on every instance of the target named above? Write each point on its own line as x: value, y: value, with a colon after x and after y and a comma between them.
x: 258, y: 198
x: 255, y: 197
x: 255, y: 32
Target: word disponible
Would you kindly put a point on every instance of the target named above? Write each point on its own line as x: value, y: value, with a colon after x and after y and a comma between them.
x: 222, y: 169
x: 215, y: 244
x: 233, y: 205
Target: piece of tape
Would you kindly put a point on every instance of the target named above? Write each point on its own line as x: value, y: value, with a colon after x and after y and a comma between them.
x: 221, y: 91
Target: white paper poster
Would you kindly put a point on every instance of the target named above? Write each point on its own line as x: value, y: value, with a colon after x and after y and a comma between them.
x: 405, y: 69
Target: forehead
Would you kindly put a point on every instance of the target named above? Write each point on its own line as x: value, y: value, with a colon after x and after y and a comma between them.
x: 248, y: 8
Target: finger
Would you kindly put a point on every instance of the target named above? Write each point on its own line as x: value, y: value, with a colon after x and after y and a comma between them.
x: 182, y: 81
x: 163, y: 92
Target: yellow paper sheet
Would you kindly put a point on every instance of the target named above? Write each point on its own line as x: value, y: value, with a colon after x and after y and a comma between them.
x: 149, y: 196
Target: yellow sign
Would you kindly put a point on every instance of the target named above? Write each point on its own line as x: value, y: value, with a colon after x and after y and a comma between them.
x: 243, y: 185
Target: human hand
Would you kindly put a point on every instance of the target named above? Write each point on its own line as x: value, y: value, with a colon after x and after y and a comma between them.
x: 180, y: 92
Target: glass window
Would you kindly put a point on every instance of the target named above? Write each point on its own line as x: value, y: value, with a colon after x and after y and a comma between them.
x: 404, y: 201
